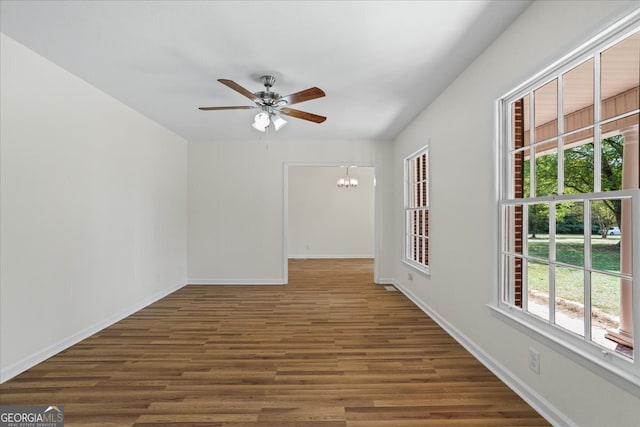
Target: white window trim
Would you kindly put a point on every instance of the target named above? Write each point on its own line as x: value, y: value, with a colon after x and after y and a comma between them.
x: 615, y: 368
x: 405, y: 256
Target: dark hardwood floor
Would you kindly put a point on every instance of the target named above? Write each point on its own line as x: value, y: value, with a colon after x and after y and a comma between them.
x: 331, y: 349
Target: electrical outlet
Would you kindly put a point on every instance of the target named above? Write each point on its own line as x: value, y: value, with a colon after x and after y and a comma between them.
x: 534, y: 360
x: 410, y: 276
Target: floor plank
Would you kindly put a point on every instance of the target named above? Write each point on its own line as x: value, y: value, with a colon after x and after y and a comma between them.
x: 330, y: 349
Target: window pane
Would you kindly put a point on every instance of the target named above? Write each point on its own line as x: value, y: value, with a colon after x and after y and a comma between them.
x: 418, y: 182
x: 411, y: 173
x: 423, y: 175
x: 425, y: 222
x: 520, y: 173
x: 424, y: 201
x: 569, y: 233
x: 413, y: 187
x: 420, y: 250
x: 519, y: 123
x: 621, y: 126
x: 513, y: 243
x: 577, y: 100
x: 620, y: 154
x: 410, y: 232
x: 569, y: 286
x: 512, y: 285
x: 578, y: 163
x: 611, y: 164
x: 425, y: 251
x: 620, y: 71
x: 413, y: 247
x: 606, y: 246
x: 538, y: 287
x: 631, y: 135
x: 605, y: 308
x: 513, y: 229
x: 605, y: 296
x: 547, y: 168
x: 414, y: 222
x: 626, y: 237
x: 538, y: 239
x: 546, y: 111
x: 412, y: 195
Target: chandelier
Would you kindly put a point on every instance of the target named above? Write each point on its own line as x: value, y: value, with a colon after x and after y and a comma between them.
x: 347, y: 181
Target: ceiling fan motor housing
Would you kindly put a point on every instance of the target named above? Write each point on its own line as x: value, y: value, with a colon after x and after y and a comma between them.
x: 268, y: 98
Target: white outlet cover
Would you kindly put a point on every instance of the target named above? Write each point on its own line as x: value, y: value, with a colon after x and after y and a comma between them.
x: 534, y: 360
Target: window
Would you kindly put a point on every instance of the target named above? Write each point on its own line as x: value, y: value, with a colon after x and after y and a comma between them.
x: 570, y: 201
x: 417, y: 195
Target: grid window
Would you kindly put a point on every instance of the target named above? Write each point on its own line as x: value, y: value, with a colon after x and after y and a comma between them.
x: 570, y: 200
x: 417, y: 209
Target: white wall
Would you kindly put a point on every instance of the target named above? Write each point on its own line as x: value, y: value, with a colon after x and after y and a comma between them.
x: 236, y: 212
x: 93, y: 209
x: 460, y: 125
x: 326, y: 221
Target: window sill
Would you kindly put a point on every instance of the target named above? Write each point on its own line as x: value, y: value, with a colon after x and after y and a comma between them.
x: 598, y: 362
x: 420, y: 268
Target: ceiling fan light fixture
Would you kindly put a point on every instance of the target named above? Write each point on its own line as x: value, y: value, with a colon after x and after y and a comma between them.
x: 258, y: 127
x: 278, y: 122
x: 261, y: 121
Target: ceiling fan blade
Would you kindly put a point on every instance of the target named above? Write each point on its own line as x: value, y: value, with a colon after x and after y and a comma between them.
x: 243, y: 107
x: 302, y: 115
x: 242, y: 91
x: 303, y: 95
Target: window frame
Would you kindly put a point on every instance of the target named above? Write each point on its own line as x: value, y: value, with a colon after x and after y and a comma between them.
x: 622, y: 371
x: 407, y: 209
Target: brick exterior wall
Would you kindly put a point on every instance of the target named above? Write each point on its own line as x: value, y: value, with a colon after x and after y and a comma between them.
x: 518, y: 188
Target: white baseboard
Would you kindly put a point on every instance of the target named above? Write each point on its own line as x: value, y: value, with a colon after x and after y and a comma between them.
x: 537, y: 402
x: 55, y: 348
x: 341, y: 256
x: 236, y: 282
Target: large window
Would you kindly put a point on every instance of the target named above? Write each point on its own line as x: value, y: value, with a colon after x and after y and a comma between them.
x: 570, y: 201
x: 417, y: 209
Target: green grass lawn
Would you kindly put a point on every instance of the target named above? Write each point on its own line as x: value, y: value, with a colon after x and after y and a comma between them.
x: 605, y: 289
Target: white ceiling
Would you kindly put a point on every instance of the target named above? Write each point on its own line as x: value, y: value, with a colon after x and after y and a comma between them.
x: 379, y: 62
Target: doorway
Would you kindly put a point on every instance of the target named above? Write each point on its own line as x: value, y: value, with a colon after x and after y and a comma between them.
x: 323, y: 220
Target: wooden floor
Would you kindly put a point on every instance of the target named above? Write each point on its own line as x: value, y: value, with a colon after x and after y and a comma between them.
x: 331, y: 349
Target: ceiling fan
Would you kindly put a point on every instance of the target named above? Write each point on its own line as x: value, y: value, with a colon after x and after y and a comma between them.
x: 271, y: 104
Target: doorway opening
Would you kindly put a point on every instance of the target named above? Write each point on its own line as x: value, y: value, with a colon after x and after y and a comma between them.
x: 325, y: 220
